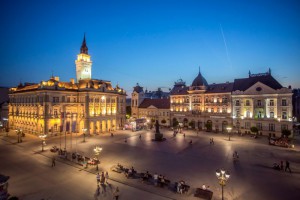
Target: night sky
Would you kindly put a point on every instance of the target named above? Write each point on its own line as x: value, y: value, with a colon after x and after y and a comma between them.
x: 153, y: 43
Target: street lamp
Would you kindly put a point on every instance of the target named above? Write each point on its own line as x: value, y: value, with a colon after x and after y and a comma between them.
x: 43, y: 138
x: 229, y: 131
x: 223, y: 176
x: 97, y: 151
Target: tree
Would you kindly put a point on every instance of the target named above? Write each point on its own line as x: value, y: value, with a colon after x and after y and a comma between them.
x: 254, y: 129
x: 208, y: 127
x: 128, y: 112
x: 175, y: 122
x: 192, y: 124
x: 163, y: 121
x: 286, y: 132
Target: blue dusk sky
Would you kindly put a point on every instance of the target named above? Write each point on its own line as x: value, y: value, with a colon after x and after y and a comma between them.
x: 153, y: 43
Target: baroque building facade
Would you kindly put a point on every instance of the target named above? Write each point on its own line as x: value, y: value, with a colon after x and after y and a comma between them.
x: 150, y: 105
x: 258, y: 101
x: 85, y: 106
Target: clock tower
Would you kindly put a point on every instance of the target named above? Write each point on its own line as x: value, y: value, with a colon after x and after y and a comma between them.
x: 83, y: 63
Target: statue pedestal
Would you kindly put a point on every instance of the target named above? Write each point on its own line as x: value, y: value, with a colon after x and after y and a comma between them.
x: 159, y: 137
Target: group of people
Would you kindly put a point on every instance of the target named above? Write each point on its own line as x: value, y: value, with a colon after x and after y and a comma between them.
x: 103, y: 178
x: 280, y: 166
x: 182, y: 187
x: 159, y: 180
x: 130, y: 172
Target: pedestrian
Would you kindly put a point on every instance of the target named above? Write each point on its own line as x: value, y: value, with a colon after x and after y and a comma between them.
x: 287, y: 166
x: 98, y: 178
x: 125, y: 140
x: 106, y: 177
x: 117, y: 193
x: 140, y: 136
x: 209, y: 140
x: 281, y: 165
x: 212, y: 141
x: 155, y: 177
x: 184, y: 135
x: 98, y: 189
x: 102, y: 179
x: 53, y: 161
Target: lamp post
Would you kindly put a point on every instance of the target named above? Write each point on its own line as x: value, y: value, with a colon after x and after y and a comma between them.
x: 43, y: 138
x: 223, y: 176
x: 97, y: 151
x: 229, y: 131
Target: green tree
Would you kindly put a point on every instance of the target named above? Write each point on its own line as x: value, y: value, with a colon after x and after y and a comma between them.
x: 254, y: 129
x: 163, y: 121
x: 175, y: 122
x: 286, y: 132
x: 192, y: 124
x: 208, y: 127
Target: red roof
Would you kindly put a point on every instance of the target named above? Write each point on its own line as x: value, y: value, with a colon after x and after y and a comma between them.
x: 158, y: 103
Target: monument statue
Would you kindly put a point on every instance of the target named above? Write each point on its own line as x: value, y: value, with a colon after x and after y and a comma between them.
x: 158, y: 135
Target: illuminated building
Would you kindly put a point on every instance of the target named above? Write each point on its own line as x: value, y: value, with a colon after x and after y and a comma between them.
x: 49, y: 107
x: 152, y: 106
x: 261, y: 101
x: 257, y: 101
x: 201, y: 106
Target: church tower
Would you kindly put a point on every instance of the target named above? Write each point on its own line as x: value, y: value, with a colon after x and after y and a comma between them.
x: 83, y: 63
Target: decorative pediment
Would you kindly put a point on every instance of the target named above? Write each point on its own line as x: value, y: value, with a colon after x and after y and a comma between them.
x: 153, y: 107
x: 259, y: 88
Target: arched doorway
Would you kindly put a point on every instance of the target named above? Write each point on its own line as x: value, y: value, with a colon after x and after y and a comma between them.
x: 224, y: 126
x: 208, y: 125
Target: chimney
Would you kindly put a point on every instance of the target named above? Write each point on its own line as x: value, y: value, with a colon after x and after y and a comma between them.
x: 56, y: 78
x: 72, y: 80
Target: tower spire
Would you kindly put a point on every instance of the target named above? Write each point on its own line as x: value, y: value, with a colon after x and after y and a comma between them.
x: 84, y: 48
x: 199, y: 69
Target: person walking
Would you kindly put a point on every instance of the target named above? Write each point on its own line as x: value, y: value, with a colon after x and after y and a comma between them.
x: 53, y: 161
x: 287, y: 166
x: 117, y: 193
x: 106, y: 177
x: 212, y: 141
x: 98, y: 178
x: 281, y: 165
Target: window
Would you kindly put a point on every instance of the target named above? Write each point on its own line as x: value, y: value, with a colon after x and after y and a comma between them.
x: 259, y: 114
x: 283, y: 102
x: 247, y: 125
x: 271, y: 114
x: 284, y: 116
x: 271, y: 102
x: 237, y: 103
x: 284, y: 127
x: 68, y: 99
x: 218, y: 110
x: 247, y: 103
x: 258, y: 102
x: 55, y: 99
x: 271, y: 127
x: 237, y: 113
x: 224, y: 99
x: 55, y: 127
x: 206, y: 109
x: 55, y: 112
x: 259, y: 126
x: 247, y: 113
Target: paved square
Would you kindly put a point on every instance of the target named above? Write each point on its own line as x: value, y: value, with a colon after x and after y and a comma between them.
x: 252, y: 177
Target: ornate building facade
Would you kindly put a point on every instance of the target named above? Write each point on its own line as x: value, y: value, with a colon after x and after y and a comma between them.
x: 85, y: 106
x: 258, y: 100
x: 201, y: 105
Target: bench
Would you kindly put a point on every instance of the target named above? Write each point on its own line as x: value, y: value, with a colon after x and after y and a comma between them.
x: 204, y: 194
